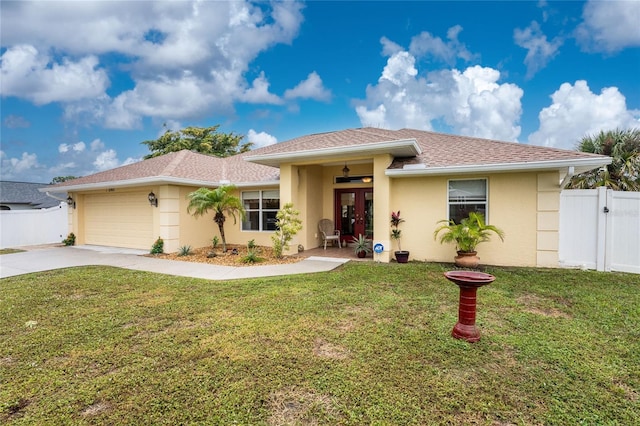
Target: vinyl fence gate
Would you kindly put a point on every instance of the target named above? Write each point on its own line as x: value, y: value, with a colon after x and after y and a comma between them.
x: 600, y: 229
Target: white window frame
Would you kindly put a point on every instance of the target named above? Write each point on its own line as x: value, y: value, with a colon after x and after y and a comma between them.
x: 260, y: 210
x: 484, y: 202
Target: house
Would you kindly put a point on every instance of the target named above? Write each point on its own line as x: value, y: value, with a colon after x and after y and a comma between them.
x: 27, y: 196
x: 354, y: 177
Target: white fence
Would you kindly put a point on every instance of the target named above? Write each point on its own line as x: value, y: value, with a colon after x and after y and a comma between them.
x: 600, y: 229
x: 33, y: 227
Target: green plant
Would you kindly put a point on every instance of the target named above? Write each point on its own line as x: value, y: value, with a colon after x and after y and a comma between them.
x: 467, y: 234
x: 251, y: 244
x: 221, y: 201
x: 252, y: 256
x: 288, y: 224
x: 70, y: 240
x: 361, y: 244
x: 158, y: 246
x: 215, y: 241
x: 184, y: 251
x: 396, y: 233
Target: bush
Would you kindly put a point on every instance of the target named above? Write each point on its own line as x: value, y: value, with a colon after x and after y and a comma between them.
x: 184, y: 251
x: 70, y: 240
x: 252, y: 256
x: 287, y: 226
x: 158, y: 246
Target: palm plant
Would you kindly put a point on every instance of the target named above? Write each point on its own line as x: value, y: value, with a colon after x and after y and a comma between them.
x: 221, y: 201
x: 623, y: 174
x: 467, y: 234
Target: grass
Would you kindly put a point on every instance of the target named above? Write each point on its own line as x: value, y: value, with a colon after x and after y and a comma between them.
x: 366, y: 344
x: 10, y: 251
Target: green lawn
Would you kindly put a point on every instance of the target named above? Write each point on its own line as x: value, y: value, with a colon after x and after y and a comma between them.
x: 366, y: 344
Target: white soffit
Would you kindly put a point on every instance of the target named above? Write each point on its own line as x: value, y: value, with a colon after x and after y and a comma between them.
x: 580, y: 165
x: 397, y: 148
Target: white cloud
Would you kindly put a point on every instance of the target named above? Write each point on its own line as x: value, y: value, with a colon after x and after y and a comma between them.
x: 575, y: 112
x: 23, y: 168
x: 609, y: 26
x: 471, y: 102
x: 106, y: 160
x: 261, y: 139
x: 259, y: 92
x: 28, y: 74
x: 539, y: 50
x: 96, y: 145
x: 185, y: 58
x: 13, y: 121
x: 311, y: 88
x: 428, y: 46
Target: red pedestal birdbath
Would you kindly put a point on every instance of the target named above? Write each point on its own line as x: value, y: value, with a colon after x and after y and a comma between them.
x: 469, y: 282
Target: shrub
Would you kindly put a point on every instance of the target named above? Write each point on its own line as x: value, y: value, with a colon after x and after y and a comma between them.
x: 70, y: 240
x: 288, y: 224
x: 158, y: 246
x: 184, y: 251
x: 252, y: 256
x: 251, y: 244
x: 215, y: 241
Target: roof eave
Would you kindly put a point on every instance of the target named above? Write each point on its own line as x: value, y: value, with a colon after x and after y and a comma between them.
x: 397, y: 148
x: 580, y: 165
x: 159, y: 180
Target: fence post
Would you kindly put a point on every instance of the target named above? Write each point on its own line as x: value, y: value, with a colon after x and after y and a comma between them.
x: 603, y: 250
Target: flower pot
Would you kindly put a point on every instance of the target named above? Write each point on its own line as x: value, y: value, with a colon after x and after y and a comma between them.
x: 467, y: 259
x: 402, y: 256
x: 361, y: 254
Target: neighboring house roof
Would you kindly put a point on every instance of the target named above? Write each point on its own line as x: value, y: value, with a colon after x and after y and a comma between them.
x: 28, y: 193
x: 415, y: 152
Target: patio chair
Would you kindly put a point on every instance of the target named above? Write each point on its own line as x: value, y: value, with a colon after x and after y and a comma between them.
x: 328, y: 232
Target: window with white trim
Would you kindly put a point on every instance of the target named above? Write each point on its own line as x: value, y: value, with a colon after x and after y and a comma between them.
x: 467, y: 196
x: 261, y: 208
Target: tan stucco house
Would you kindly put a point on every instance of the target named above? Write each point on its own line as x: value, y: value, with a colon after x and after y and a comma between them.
x: 354, y: 177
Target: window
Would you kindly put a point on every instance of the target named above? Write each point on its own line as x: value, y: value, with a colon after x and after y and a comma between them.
x: 467, y: 196
x: 261, y: 208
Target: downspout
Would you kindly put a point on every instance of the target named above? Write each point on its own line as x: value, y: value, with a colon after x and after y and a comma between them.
x: 565, y: 181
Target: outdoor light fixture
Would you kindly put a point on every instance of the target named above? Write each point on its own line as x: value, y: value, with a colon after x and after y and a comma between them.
x: 152, y: 199
x: 367, y: 179
x: 345, y: 171
x: 71, y: 202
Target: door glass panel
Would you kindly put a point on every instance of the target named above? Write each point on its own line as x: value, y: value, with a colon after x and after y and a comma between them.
x: 347, y: 212
x: 368, y: 214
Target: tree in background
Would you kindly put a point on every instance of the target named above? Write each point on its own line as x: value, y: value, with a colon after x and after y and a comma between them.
x: 221, y: 201
x: 623, y: 174
x: 206, y: 140
x: 60, y: 179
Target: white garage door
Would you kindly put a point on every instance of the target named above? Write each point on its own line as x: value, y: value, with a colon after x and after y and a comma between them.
x: 118, y: 220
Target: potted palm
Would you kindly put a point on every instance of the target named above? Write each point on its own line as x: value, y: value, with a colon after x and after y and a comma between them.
x: 467, y: 234
x: 402, y: 256
x: 361, y: 246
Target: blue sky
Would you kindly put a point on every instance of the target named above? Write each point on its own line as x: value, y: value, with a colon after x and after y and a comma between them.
x: 84, y: 83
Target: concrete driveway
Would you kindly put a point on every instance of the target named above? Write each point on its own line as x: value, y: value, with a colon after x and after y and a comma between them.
x: 37, y: 259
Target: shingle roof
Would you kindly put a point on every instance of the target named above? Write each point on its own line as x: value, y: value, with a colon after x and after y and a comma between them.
x: 438, y: 150
x: 185, y: 166
x: 28, y: 193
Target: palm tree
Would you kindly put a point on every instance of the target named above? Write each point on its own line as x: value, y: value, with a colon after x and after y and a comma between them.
x: 221, y: 201
x: 623, y: 174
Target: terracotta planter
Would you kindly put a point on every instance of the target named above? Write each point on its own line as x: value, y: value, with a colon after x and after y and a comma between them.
x: 361, y: 254
x: 402, y: 256
x: 467, y: 259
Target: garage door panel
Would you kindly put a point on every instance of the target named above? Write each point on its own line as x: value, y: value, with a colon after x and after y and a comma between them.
x: 119, y: 220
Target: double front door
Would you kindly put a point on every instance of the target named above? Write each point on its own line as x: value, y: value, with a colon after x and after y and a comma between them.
x: 354, y: 212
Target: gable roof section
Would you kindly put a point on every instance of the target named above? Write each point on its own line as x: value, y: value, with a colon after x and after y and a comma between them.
x: 419, y: 152
x: 182, y: 167
x: 28, y: 193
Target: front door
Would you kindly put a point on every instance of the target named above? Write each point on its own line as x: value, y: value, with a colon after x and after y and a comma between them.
x: 354, y: 212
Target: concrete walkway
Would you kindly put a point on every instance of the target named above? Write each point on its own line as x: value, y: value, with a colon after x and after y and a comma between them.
x: 37, y: 259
